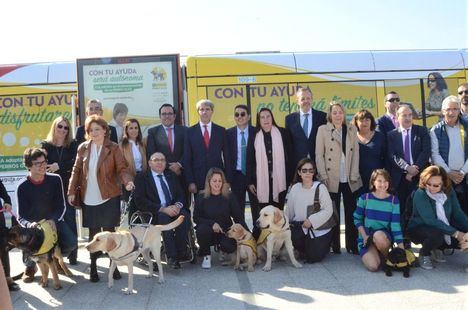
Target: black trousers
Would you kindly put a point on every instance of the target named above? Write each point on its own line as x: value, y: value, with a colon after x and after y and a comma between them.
x: 256, y: 206
x: 462, y: 194
x: 349, y: 202
x: 176, y: 240
x: 239, y: 187
x: 207, y: 237
x: 313, y: 249
x: 404, y: 190
x: 431, y: 239
x: 5, y: 258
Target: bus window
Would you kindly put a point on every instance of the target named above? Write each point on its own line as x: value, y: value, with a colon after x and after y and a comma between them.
x: 411, y: 93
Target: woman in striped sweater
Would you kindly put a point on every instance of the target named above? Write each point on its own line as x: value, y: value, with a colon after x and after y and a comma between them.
x: 377, y: 218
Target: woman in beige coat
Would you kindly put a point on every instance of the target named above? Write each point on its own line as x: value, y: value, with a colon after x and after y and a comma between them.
x: 337, y: 160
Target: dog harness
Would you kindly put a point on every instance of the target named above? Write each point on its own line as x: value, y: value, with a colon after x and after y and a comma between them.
x: 50, y: 237
x: 134, y: 252
x: 263, y: 235
x: 250, y: 243
x: 410, y: 259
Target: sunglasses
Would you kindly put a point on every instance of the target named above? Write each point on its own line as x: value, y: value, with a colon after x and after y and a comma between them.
x: 156, y: 160
x: 241, y: 114
x: 434, y: 185
x: 62, y: 127
x: 463, y: 92
x: 393, y: 100
x: 305, y: 170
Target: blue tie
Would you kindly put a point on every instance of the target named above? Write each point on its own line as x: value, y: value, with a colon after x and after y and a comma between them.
x: 243, y: 153
x: 305, y: 126
x: 167, y: 194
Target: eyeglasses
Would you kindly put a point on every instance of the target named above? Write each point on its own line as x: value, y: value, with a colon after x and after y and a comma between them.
x: 451, y: 110
x: 434, y: 185
x: 393, y: 100
x: 167, y: 114
x: 241, y: 114
x: 155, y: 160
x: 62, y: 127
x: 38, y: 164
x: 463, y: 92
x: 305, y: 170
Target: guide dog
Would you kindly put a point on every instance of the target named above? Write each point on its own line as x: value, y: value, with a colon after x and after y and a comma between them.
x: 275, y: 238
x: 41, y: 241
x: 246, y: 253
x: 124, y: 247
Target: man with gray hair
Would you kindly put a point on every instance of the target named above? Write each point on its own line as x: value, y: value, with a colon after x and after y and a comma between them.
x: 449, y: 140
x: 94, y: 107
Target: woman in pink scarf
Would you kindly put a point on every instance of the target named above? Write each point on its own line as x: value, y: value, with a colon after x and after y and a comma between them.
x: 267, y: 168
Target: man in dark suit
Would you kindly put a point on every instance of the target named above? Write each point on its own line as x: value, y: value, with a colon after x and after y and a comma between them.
x: 389, y: 121
x: 94, y: 107
x: 205, y: 147
x: 409, y: 149
x: 168, y: 138
x: 158, y: 191
x: 303, y: 125
x: 237, y: 137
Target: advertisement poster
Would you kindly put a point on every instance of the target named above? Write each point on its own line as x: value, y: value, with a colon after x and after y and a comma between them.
x: 129, y: 87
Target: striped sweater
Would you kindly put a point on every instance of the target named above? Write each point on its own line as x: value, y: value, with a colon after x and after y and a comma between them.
x: 378, y: 214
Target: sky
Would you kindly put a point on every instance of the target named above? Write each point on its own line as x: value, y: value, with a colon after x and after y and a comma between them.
x: 50, y: 30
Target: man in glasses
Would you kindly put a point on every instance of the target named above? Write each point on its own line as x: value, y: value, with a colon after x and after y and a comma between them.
x: 449, y: 139
x: 463, y: 96
x: 158, y: 191
x: 302, y: 126
x: 389, y: 121
x: 237, y: 142
x: 94, y: 107
x: 40, y: 197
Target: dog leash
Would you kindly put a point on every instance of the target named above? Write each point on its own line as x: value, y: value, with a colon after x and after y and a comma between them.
x: 9, y: 211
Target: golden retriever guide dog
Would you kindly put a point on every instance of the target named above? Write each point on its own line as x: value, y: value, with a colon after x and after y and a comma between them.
x: 246, y: 253
x: 124, y: 247
x: 275, y: 239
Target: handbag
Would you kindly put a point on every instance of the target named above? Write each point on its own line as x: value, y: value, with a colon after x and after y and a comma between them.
x: 312, y: 209
x: 76, y: 203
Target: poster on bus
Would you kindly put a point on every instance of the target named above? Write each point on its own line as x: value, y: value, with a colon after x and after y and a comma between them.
x: 129, y: 87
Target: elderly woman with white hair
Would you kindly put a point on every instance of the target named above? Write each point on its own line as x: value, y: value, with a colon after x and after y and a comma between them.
x: 449, y: 141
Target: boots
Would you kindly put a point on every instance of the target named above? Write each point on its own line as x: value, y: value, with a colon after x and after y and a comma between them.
x: 72, y: 257
x: 93, y: 275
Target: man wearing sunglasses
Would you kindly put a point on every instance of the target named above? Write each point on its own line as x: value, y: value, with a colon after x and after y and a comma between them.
x: 237, y: 143
x: 94, y: 107
x: 463, y: 96
x: 303, y: 125
x: 449, y: 139
x: 389, y: 121
x: 40, y: 197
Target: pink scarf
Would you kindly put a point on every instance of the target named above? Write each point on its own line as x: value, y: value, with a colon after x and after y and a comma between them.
x: 279, y: 169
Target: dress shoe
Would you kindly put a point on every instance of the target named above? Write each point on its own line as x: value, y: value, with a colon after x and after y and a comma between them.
x: 116, y: 275
x: 29, y: 273
x: 353, y: 251
x: 336, y: 250
x: 72, y: 259
x: 174, y: 263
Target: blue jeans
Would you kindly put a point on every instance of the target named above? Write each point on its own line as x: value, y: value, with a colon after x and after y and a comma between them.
x: 67, y: 238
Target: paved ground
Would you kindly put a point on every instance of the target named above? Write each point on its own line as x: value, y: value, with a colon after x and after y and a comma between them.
x: 340, y: 282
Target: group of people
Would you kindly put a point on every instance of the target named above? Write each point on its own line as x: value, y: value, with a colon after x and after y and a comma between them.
x: 373, y: 166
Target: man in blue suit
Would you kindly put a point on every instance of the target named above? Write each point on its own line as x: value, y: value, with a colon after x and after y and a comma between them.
x: 237, y: 137
x: 409, y: 149
x: 205, y: 147
x: 303, y: 125
x: 389, y: 121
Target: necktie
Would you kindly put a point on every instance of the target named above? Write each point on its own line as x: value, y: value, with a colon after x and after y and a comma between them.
x: 169, y: 138
x: 305, y: 126
x: 407, y: 148
x: 167, y: 194
x: 206, y: 136
x: 243, y: 153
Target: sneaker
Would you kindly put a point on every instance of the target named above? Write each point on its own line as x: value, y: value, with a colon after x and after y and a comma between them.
x: 438, y: 256
x: 426, y: 262
x: 206, y: 264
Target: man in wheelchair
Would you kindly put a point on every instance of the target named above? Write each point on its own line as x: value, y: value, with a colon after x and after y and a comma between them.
x: 158, y: 191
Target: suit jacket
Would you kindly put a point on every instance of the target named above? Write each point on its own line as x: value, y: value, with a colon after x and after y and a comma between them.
x: 198, y: 160
x: 385, y: 124
x: 328, y: 156
x: 157, y: 142
x: 252, y: 162
x: 301, y: 145
x: 420, y: 151
x: 232, y: 145
x: 80, y: 134
x: 146, y: 194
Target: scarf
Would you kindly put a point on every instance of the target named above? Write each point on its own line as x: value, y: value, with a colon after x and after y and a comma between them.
x: 279, y: 169
x: 440, y: 199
